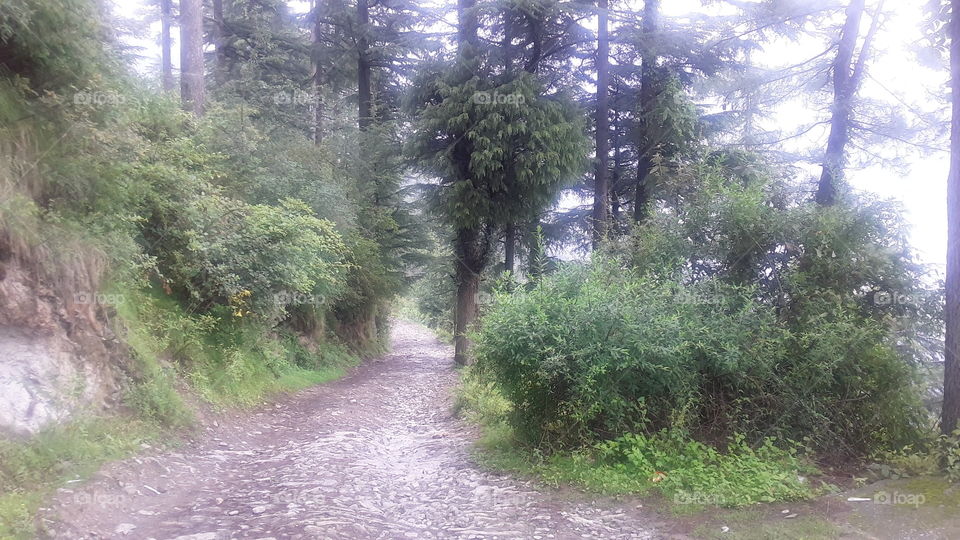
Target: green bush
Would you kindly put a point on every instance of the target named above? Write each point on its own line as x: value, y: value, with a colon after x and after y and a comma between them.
x: 255, y: 259
x: 598, y: 351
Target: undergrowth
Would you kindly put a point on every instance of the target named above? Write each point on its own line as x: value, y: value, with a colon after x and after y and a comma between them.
x: 668, y: 463
x: 226, y: 362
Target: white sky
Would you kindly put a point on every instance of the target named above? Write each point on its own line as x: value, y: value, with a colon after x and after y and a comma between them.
x: 921, y: 188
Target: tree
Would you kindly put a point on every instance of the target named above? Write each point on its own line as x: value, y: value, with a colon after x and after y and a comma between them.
x: 649, y: 88
x: 192, y: 92
x: 364, y: 96
x: 951, y: 364
x: 472, y: 241
x: 220, y: 49
x: 316, y: 36
x: 166, y: 63
x: 848, y: 70
x: 499, y: 147
x: 654, y: 119
x: 601, y: 196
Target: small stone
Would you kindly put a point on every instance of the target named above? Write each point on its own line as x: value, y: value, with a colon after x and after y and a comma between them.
x: 124, y: 528
x: 259, y: 509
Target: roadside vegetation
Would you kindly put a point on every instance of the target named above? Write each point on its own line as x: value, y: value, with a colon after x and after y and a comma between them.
x: 688, y: 365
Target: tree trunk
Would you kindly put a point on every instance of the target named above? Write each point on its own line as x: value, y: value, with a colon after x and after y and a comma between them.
x: 951, y: 363
x: 536, y: 257
x: 317, y: 75
x: 468, y: 23
x: 617, y: 173
x: 470, y: 259
x: 191, y: 56
x: 601, y: 189
x: 166, y: 61
x: 220, y: 69
x: 509, y: 248
x: 844, y: 88
x: 468, y: 284
x: 648, y: 96
x: 364, y: 96
x: 469, y: 245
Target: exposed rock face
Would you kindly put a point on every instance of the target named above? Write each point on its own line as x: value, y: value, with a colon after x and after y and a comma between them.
x: 58, y: 356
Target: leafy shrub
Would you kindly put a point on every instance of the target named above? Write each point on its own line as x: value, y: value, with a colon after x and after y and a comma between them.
x: 742, y: 309
x: 933, y: 455
x: 255, y: 259
x: 359, y: 311
x: 591, y: 352
x: 598, y: 351
x: 264, y: 164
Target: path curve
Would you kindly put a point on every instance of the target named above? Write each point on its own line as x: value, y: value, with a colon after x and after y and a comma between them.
x: 377, y: 454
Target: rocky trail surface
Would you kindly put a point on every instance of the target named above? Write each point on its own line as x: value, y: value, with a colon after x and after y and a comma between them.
x: 377, y: 454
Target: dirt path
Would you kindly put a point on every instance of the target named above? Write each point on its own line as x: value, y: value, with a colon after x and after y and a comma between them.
x: 376, y: 454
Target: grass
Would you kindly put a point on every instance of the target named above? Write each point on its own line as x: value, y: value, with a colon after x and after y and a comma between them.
x: 30, y: 470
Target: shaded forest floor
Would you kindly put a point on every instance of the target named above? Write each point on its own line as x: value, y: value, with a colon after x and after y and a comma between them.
x: 379, y: 454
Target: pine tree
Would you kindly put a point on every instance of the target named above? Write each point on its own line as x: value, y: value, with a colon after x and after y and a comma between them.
x: 848, y: 71
x: 166, y: 62
x: 192, y: 86
x: 951, y: 365
x: 500, y: 148
x: 601, y: 195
